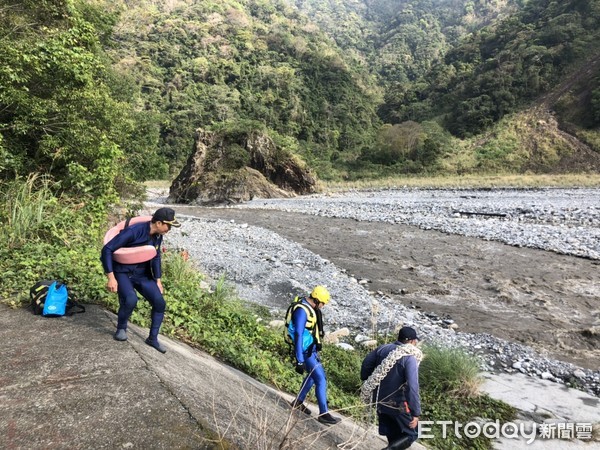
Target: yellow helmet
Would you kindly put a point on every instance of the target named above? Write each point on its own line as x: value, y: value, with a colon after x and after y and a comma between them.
x: 321, y: 294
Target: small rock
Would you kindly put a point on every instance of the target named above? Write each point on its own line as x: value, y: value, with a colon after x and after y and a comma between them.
x: 276, y: 324
x: 334, y: 337
x: 344, y: 346
x: 361, y: 338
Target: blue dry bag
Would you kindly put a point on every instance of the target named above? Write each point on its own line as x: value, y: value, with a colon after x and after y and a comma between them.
x: 56, y: 300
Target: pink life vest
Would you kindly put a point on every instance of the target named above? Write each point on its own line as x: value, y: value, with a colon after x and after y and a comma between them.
x: 130, y: 255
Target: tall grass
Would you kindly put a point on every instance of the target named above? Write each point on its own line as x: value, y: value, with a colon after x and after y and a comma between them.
x: 451, y: 370
x: 27, y: 205
x: 47, y: 236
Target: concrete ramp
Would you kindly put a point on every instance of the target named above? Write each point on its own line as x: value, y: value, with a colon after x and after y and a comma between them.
x: 565, y: 418
x: 66, y: 384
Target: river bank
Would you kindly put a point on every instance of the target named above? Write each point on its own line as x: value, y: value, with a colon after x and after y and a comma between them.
x: 524, y: 310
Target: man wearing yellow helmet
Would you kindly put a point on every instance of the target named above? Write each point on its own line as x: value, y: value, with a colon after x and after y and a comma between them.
x: 306, y: 331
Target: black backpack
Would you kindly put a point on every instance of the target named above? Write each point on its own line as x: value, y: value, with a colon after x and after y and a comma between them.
x: 38, y: 293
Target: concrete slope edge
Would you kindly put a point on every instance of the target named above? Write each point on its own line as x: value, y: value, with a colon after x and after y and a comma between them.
x: 240, y: 409
x: 66, y: 383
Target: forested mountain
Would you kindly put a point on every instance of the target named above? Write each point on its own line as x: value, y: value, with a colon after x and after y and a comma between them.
x: 372, y: 86
x: 353, y: 87
x: 400, y: 40
x: 504, y: 66
x: 256, y: 63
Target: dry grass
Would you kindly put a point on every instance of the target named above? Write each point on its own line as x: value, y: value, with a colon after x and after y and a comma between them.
x: 258, y: 421
x: 157, y: 184
x: 582, y: 180
x: 471, y: 181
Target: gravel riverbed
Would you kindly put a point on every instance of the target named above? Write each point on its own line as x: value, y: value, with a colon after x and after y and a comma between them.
x: 270, y: 269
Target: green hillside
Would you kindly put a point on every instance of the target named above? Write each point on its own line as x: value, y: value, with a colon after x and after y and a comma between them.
x: 216, y: 63
x: 505, y: 66
x: 400, y: 40
x: 356, y: 88
x: 360, y: 88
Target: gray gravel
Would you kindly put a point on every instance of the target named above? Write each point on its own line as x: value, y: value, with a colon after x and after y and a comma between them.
x: 268, y: 269
x: 565, y: 221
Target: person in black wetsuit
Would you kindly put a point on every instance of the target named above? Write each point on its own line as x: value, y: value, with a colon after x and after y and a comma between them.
x: 126, y: 279
x: 395, y: 388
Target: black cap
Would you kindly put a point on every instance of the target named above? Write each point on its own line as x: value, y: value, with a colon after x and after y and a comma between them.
x: 166, y: 215
x: 407, y: 334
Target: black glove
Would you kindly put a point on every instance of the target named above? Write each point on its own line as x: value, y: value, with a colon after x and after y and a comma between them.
x: 300, y: 367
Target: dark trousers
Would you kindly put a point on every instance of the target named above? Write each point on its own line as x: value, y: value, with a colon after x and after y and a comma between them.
x: 395, y: 427
x: 128, y: 284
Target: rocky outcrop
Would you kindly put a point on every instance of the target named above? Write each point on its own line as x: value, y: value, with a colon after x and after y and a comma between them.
x: 237, y: 167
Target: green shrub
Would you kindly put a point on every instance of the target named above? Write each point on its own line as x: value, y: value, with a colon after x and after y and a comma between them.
x: 48, y: 237
x: 451, y: 370
x: 449, y: 379
x: 235, y: 157
x: 28, y: 204
x: 440, y: 406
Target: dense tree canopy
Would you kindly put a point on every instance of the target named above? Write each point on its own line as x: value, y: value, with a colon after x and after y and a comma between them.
x: 60, y: 110
x: 96, y: 91
x: 502, y: 67
x: 207, y: 63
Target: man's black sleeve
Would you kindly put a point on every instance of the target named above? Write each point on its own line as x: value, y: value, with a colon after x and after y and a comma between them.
x: 368, y: 365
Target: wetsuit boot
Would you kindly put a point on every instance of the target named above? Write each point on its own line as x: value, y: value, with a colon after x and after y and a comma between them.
x: 300, y: 406
x: 121, y: 334
x: 152, y: 339
x: 401, y: 444
x: 328, y: 419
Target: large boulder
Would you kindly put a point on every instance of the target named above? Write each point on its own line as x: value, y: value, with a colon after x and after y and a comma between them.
x: 237, y: 167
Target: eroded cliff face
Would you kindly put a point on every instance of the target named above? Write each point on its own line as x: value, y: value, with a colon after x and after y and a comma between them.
x: 237, y: 167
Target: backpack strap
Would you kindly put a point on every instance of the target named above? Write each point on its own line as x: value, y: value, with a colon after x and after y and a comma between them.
x: 312, y: 315
x: 71, y: 304
x: 37, y: 295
